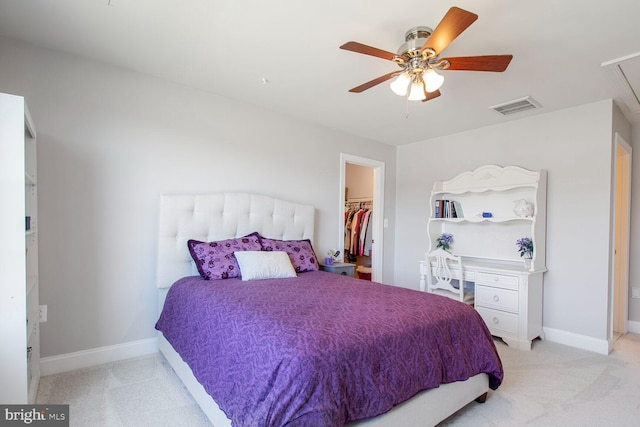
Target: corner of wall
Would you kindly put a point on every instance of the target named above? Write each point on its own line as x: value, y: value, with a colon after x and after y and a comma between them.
x: 601, y: 346
x: 97, y: 356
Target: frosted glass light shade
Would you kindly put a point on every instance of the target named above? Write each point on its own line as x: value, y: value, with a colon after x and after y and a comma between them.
x: 432, y: 80
x: 417, y: 90
x: 400, y: 85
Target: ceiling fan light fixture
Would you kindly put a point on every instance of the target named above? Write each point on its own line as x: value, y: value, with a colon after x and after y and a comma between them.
x: 416, y: 93
x: 400, y: 86
x: 419, y: 58
x: 433, y: 81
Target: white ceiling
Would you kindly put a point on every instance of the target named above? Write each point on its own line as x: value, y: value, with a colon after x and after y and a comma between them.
x: 229, y: 46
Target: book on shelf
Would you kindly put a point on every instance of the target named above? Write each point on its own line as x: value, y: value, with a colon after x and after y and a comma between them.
x: 449, y: 209
x: 444, y: 208
x: 457, y: 207
x: 452, y: 209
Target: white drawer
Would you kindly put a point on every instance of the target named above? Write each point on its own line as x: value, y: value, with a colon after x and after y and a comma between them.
x: 499, y: 280
x: 499, y: 321
x: 498, y: 298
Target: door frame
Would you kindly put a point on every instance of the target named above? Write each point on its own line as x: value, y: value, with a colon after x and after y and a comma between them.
x: 377, y: 232
x: 619, y: 306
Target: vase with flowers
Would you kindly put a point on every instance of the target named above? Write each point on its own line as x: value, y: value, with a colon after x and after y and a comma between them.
x: 332, y: 256
x: 444, y: 241
x: 525, y: 247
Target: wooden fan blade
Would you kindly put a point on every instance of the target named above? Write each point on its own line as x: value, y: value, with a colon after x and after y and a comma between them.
x: 368, y: 50
x: 431, y: 95
x: 452, y: 25
x: 496, y: 63
x: 373, y: 82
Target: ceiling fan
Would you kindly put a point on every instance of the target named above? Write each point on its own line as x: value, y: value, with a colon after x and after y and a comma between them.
x: 418, y: 58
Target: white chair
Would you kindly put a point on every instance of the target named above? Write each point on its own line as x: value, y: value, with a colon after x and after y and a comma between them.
x: 442, y: 281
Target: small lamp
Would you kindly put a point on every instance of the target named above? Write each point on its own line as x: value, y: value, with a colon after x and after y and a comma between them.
x: 416, y: 92
x: 432, y: 80
x: 400, y: 85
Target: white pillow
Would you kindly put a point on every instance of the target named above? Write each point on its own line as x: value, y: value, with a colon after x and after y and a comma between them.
x: 264, y: 265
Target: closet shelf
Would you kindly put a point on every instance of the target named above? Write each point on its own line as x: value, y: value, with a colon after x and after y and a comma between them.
x: 20, y: 370
x: 28, y: 179
x: 31, y: 283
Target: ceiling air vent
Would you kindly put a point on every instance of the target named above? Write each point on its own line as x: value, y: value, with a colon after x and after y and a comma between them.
x: 516, y: 106
x: 625, y: 75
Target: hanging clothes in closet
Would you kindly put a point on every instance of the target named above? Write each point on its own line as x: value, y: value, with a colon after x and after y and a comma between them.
x: 357, y: 229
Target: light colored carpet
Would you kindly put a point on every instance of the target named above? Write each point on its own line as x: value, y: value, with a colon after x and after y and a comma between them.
x: 556, y: 385
x: 552, y: 385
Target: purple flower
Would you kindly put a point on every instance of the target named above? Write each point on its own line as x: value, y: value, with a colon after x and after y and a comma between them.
x: 525, y: 246
x: 444, y: 241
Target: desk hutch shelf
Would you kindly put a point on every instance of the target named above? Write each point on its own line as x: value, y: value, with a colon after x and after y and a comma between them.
x: 485, y: 228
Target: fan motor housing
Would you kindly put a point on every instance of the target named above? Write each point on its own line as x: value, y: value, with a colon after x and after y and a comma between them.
x: 415, y: 38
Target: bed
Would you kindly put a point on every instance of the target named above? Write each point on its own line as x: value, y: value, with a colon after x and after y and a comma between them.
x: 306, y: 373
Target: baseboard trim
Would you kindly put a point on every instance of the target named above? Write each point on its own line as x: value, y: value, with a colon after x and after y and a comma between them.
x: 633, y: 326
x: 112, y: 353
x: 575, y: 340
x: 97, y: 356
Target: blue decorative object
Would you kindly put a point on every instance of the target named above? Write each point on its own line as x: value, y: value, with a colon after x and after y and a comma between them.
x: 487, y: 215
x: 328, y: 261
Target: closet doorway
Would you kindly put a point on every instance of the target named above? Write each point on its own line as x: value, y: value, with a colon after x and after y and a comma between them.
x: 367, y: 191
x: 620, y: 289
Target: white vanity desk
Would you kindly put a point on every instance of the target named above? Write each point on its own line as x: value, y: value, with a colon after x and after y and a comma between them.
x: 485, y: 227
x: 508, y: 297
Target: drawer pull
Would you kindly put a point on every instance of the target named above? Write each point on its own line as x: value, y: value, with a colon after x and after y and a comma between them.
x: 496, y: 320
x: 344, y: 273
x: 496, y: 298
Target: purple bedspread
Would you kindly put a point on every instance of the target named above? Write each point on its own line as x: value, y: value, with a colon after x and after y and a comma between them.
x: 321, y: 349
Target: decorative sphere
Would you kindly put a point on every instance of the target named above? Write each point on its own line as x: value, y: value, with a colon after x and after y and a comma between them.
x: 523, y: 208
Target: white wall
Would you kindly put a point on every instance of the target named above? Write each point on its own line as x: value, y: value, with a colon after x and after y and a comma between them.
x: 574, y: 146
x: 110, y: 142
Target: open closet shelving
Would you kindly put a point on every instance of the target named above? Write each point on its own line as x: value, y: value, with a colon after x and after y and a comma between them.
x: 19, y: 281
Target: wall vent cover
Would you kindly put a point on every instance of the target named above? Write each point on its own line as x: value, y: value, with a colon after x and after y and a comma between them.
x: 516, y: 106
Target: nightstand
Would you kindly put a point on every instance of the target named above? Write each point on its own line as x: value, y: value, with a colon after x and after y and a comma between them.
x: 344, y: 268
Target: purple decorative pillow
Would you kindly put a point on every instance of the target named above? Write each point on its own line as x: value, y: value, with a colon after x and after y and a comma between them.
x: 215, y: 260
x: 300, y: 252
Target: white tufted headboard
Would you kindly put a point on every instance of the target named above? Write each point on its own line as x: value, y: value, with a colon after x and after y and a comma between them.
x: 221, y: 216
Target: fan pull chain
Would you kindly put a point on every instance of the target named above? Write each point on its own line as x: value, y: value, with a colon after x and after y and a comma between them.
x: 407, y: 115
